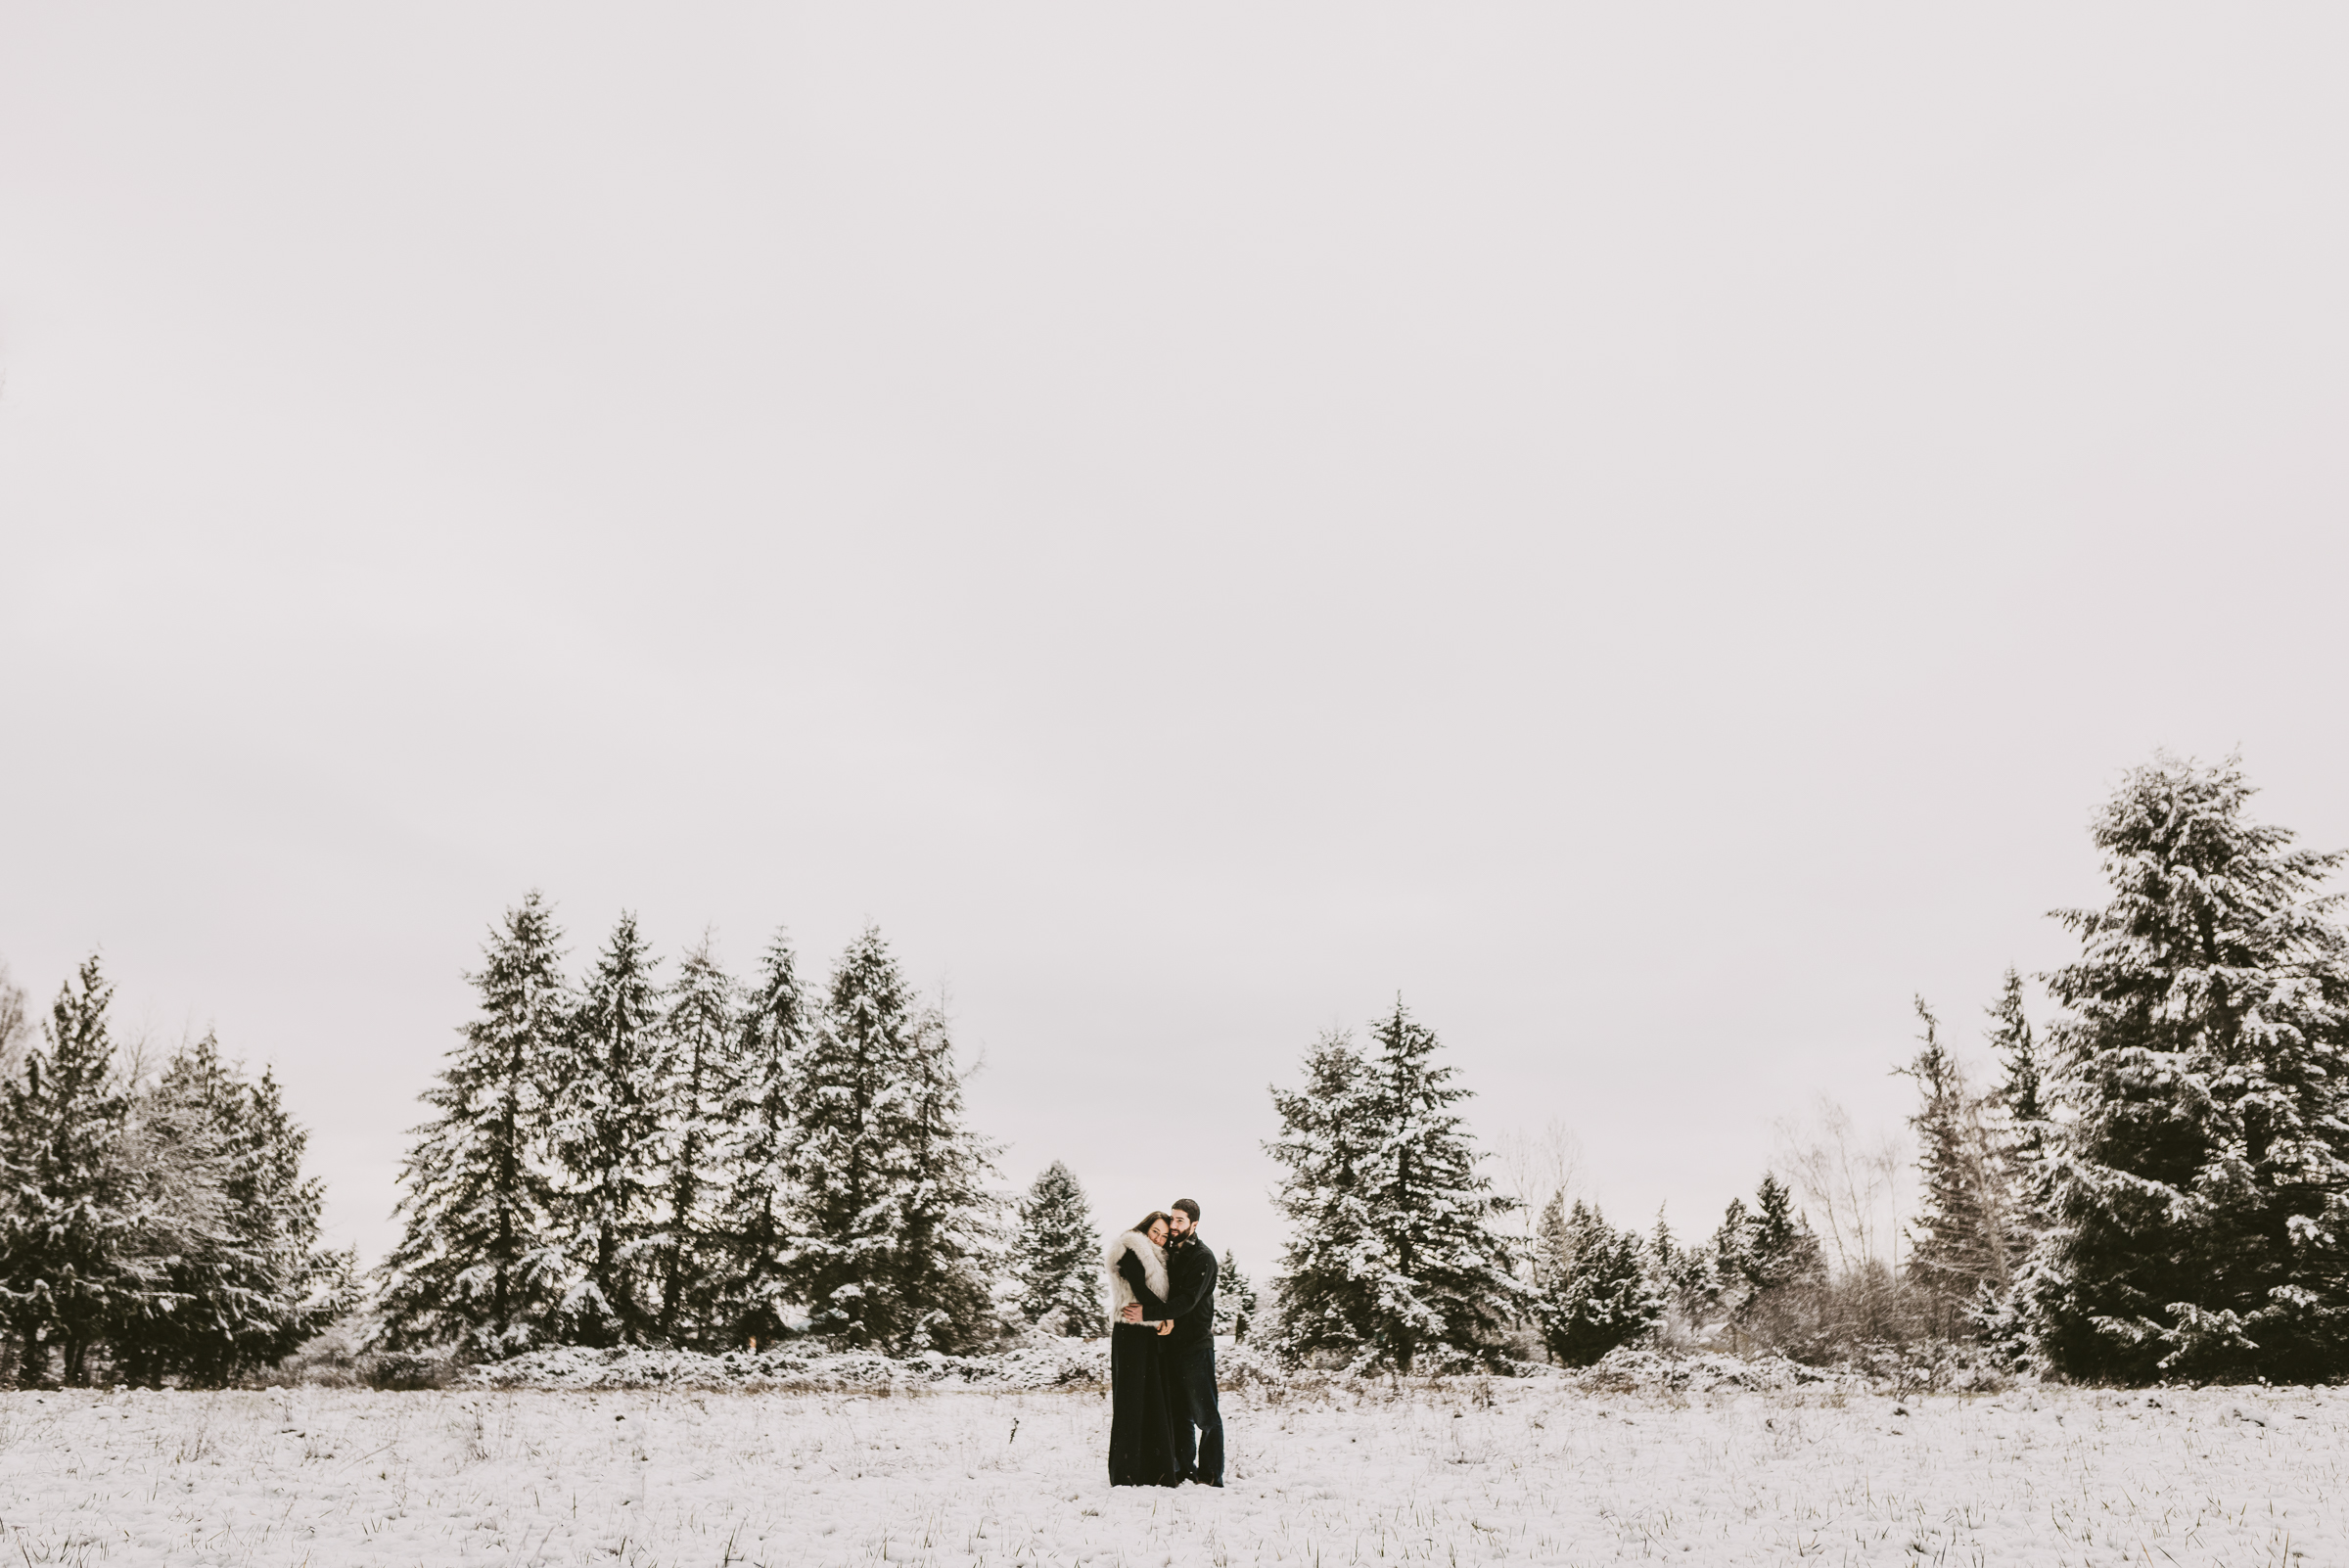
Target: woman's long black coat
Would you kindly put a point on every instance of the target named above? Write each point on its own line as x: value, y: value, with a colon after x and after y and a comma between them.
x: 1141, y: 1422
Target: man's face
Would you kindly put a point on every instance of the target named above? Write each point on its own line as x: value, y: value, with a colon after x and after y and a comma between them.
x: 1179, y: 1222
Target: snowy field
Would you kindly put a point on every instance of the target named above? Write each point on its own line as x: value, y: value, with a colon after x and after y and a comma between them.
x: 1520, y: 1472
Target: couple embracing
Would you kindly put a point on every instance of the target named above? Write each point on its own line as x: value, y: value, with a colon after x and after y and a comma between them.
x: 1162, y: 1354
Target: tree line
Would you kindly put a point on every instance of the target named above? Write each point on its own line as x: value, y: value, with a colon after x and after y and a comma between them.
x: 154, y: 1223
x: 2156, y: 1183
x: 693, y: 1161
x: 2156, y: 1186
x: 697, y: 1162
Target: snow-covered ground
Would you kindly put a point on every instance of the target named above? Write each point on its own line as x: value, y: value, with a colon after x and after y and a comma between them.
x: 1534, y: 1471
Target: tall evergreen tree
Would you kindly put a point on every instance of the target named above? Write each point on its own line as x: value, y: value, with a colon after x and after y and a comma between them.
x: 610, y: 1138
x: 1447, y: 1279
x: 1960, y: 1242
x: 950, y: 1242
x: 1598, y: 1292
x: 705, y: 1037
x: 2200, y: 1194
x: 1056, y: 1258
x: 476, y: 1266
x: 774, y: 1029
x: 71, y: 1263
x: 846, y: 1159
x: 2018, y: 1113
x: 1326, y: 1290
x: 245, y: 1281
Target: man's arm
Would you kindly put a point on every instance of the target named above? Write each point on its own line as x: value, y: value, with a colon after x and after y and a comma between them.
x: 1186, y: 1296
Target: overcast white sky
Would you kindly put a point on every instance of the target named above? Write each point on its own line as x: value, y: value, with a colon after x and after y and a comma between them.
x: 1646, y: 529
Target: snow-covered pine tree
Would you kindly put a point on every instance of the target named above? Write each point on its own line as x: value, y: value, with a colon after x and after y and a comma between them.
x: 476, y: 1266
x: 2199, y: 1195
x: 1056, y: 1257
x: 1732, y: 1250
x: 774, y: 1029
x: 2018, y: 1115
x: 70, y: 1268
x: 2018, y: 1055
x: 1553, y: 1240
x: 1782, y: 1249
x: 951, y: 1239
x: 845, y: 1154
x: 1684, y: 1272
x: 242, y: 1279
x: 1326, y: 1290
x: 1960, y: 1242
x: 1448, y: 1280
x: 1235, y: 1299
x: 610, y: 1141
x: 281, y: 1215
x: 1600, y: 1293
x: 1763, y: 1248
x: 705, y: 1036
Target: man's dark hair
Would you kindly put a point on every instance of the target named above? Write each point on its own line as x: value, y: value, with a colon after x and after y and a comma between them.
x: 1188, y: 1206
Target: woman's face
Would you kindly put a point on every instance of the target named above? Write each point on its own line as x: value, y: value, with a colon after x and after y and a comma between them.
x: 1158, y: 1232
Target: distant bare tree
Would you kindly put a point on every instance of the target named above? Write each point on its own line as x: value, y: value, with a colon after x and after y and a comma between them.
x: 1535, y: 1169
x: 16, y: 1022
x: 1850, y: 1186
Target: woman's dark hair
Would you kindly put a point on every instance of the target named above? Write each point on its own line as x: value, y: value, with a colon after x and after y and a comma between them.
x: 1142, y: 1227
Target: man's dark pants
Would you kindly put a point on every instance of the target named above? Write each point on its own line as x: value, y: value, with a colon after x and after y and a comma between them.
x: 1191, y: 1387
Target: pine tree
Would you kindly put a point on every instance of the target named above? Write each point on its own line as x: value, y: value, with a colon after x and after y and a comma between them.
x: 476, y: 1266
x: 1765, y: 1249
x: 1684, y: 1273
x: 244, y: 1281
x: 950, y: 1244
x: 1447, y: 1279
x: 1960, y: 1244
x: 705, y: 1037
x: 2018, y: 1053
x: 2016, y: 1113
x: 1600, y: 1292
x: 1553, y: 1240
x: 71, y: 1263
x: 1055, y: 1258
x: 1781, y: 1248
x: 1235, y: 1299
x: 845, y: 1154
x: 2200, y: 1194
x: 610, y: 1142
x: 773, y: 1030
x: 1736, y: 1269
x: 1326, y: 1291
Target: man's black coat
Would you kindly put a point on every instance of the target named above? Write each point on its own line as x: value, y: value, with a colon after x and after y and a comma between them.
x: 1190, y: 1291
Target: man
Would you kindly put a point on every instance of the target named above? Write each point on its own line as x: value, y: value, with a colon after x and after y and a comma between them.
x: 1191, y: 1347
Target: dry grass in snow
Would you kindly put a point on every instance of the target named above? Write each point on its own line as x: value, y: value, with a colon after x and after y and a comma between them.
x: 1530, y: 1472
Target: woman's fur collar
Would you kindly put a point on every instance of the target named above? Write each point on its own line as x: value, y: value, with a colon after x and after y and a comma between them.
x: 1154, y: 1264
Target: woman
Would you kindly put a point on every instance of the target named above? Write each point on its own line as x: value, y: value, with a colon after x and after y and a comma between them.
x: 1142, y: 1427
